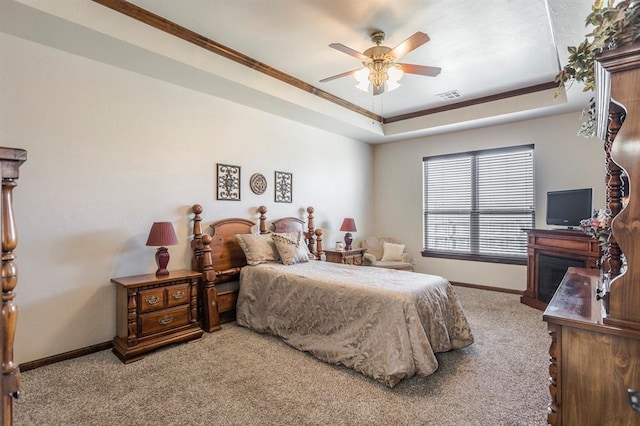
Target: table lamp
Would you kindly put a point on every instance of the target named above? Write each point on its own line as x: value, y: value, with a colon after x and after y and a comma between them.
x: 348, y: 226
x: 161, y: 235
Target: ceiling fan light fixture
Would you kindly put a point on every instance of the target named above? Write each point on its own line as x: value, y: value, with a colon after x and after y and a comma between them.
x: 380, y: 66
x: 379, y: 74
x: 394, y: 75
x: 362, y: 77
x: 391, y: 85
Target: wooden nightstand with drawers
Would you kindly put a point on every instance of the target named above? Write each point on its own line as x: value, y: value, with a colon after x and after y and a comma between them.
x: 155, y: 311
x: 349, y: 257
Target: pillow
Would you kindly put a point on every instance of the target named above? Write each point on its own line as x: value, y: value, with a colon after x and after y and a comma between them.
x: 258, y: 248
x: 291, y: 247
x: 392, y: 252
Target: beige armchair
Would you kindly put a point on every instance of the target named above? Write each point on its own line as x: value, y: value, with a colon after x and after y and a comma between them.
x: 392, y: 256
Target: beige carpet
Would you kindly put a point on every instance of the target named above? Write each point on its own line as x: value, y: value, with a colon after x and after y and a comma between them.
x: 239, y: 377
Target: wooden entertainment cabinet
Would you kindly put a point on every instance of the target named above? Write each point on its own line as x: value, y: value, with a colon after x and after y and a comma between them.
x: 550, y: 252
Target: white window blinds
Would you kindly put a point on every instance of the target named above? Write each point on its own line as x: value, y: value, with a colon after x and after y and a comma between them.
x: 477, y: 203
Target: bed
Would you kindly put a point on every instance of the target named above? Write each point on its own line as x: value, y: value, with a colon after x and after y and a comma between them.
x: 385, y: 324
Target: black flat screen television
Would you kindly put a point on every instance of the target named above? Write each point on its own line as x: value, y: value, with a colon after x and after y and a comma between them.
x: 568, y: 208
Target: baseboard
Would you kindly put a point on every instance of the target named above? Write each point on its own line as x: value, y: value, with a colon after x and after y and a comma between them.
x: 484, y: 287
x: 26, y: 366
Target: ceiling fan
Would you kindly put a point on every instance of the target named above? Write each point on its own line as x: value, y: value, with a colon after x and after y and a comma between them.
x: 380, y: 66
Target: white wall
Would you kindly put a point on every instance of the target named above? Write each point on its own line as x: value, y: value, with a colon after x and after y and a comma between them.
x: 110, y: 152
x: 562, y: 161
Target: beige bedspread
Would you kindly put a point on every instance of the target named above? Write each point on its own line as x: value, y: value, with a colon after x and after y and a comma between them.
x: 386, y: 324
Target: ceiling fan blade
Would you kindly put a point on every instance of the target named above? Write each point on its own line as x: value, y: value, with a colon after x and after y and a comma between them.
x: 378, y: 90
x: 349, y: 51
x: 413, y: 42
x: 420, y: 69
x: 344, y: 74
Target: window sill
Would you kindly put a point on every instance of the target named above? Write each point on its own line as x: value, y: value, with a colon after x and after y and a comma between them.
x: 475, y: 257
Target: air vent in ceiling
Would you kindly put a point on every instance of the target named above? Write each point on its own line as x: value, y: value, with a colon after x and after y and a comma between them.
x: 449, y: 96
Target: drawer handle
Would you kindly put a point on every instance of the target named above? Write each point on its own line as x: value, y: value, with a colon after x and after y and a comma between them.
x: 165, y: 320
x: 178, y: 295
x: 153, y: 300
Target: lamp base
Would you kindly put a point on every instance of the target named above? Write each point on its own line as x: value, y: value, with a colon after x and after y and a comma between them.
x: 347, y: 241
x: 162, y: 260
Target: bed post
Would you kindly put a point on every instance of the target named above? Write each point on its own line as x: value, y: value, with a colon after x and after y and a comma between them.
x: 263, y: 219
x: 318, y: 233
x: 311, y: 234
x: 208, y: 292
x: 196, y: 243
x: 203, y: 263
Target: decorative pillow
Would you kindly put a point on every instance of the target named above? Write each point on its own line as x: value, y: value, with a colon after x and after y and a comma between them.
x: 258, y: 248
x: 291, y: 247
x: 392, y: 252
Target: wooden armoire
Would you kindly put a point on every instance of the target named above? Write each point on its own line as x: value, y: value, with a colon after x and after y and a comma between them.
x: 594, y: 322
x: 10, y: 161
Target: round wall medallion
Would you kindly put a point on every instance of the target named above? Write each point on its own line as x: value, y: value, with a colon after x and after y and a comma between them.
x: 258, y: 183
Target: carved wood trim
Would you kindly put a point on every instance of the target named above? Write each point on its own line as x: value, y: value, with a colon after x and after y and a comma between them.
x: 319, y: 247
x: 208, y: 291
x: 613, y: 182
x: 554, y: 413
x: 193, y: 291
x: 132, y: 314
x: 263, y: 219
x: 9, y: 278
x: 310, y: 234
x: 10, y: 383
x: 196, y: 243
x: 623, y: 64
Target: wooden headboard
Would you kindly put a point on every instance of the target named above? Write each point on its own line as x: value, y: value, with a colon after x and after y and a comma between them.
x: 220, y: 258
x: 313, y: 237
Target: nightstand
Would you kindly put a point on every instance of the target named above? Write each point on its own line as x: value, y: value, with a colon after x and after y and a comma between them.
x: 155, y: 311
x: 348, y: 257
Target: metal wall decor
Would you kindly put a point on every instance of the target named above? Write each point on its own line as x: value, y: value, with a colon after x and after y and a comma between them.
x: 228, y: 182
x: 284, y: 187
x: 258, y: 183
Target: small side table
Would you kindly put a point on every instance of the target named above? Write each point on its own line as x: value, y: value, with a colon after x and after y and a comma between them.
x: 155, y: 311
x: 348, y: 257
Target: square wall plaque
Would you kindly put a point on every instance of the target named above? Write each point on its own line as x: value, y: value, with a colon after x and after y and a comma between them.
x: 228, y: 178
x: 284, y: 187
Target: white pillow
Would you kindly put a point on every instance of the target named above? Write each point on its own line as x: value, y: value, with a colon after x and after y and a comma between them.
x: 392, y: 252
x: 291, y: 247
x: 258, y: 248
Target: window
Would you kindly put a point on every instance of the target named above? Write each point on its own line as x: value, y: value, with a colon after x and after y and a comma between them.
x: 477, y: 203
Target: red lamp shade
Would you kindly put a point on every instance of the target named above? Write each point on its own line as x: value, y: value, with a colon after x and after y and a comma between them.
x: 348, y: 225
x: 162, y: 234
